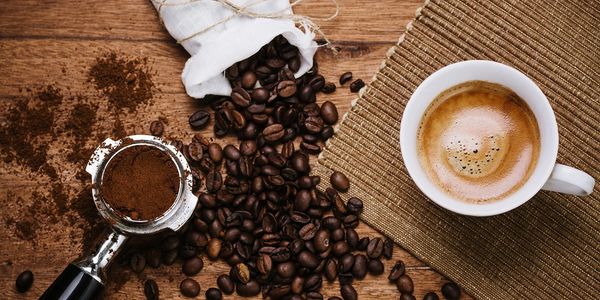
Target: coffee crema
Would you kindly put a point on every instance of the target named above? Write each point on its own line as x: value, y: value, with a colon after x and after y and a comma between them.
x: 478, y: 141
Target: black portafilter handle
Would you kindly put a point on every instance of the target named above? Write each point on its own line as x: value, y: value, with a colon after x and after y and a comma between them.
x: 83, y: 280
x: 73, y: 284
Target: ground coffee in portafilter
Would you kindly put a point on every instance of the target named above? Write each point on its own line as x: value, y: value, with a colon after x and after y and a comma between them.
x: 141, y: 182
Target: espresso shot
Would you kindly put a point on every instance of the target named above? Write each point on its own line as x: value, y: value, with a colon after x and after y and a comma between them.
x: 140, y: 182
x: 479, y: 142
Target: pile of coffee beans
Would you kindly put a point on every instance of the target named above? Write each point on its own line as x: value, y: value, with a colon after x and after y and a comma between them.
x: 259, y: 209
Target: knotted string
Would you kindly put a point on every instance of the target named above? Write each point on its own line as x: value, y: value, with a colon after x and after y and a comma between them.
x: 307, y: 23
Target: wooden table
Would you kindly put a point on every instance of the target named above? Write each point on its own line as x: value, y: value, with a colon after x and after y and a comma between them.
x: 44, y: 42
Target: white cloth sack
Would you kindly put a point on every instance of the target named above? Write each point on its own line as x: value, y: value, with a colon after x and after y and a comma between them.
x: 240, y: 37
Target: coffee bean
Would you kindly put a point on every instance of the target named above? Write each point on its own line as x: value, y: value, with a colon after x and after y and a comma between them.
x: 199, y: 119
x: 431, y: 296
x: 189, y: 288
x: 192, y: 266
x: 157, y: 128
x: 264, y: 264
x: 225, y: 284
x: 321, y: 241
x: 356, y: 85
x: 331, y: 223
x: 248, y: 80
x: 215, y: 152
x: 260, y: 95
x: 194, y: 151
x: 250, y: 289
x: 313, y: 282
x: 278, y: 291
x: 397, y: 271
x: 451, y: 291
x: 214, y: 181
x: 329, y: 113
x: 302, y: 200
x: 351, y: 238
x: 213, y: 294
x: 248, y: 148
x: 151, y: 290
x: 153, y: 257
x: 308, y: 260
x: 339, y: 181
x: 169, y: 257
x: 340, y: 248
x: 350, y: 221
x: 405, y: 284
x: 375, y: 267
x: 334, y: 298
x: 355, y: 206
x: 348, y: 292
x: 314, y: 296
x: 327, y: 132
x: 241, y: 97
x: 281, y: 254
x: 345, y: 77
x: 297, y: 285
x: 388, y: 248
x: 317, y: 83
x: 294, y: 64
x: 405, y: 296
x: 273, y: 132
x: 231, y: 152
x: 299, y: 162
x: 313, y: 124
x: 213, y: 248
x: 346, y: 263
x: 331, y: 270
x: 328, y: 88
x: 359, y: 269
x: 137, y: 262
x: 363, y: 243
x: 286, y: 88
x: 375, y: 248
x: 241, y: 273
x: 338, y: 234
x: 308, y: 231
x: 310, y: 148
x: 286, y: 269
x: 24, y: 281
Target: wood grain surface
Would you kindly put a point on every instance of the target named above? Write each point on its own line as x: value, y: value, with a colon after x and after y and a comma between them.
x: 56, y: 41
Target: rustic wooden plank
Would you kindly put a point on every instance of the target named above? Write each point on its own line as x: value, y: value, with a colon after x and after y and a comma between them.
x: 40, y: 39
x: 372, y: 20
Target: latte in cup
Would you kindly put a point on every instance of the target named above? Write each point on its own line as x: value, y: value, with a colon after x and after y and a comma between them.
x: 478, y: 141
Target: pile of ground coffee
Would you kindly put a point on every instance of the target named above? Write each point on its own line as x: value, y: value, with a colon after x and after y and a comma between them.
x: 125, y: 81
x: 141, y: 182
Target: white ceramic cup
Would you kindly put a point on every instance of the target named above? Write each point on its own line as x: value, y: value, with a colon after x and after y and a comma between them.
x: 547, y: 175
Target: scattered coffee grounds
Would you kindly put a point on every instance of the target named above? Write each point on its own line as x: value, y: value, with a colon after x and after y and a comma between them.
x: 141, y: 182
x: 80, y: 125
x: 28, y: 127
x: 91, y: 223
x: 125, y: 81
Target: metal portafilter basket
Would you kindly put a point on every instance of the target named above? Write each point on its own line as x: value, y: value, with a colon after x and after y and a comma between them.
x: 85, y: 278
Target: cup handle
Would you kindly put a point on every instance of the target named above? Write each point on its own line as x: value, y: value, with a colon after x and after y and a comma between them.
x: 568, y: 180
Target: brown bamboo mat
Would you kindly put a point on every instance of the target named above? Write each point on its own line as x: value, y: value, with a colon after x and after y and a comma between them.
x: 545, y: 249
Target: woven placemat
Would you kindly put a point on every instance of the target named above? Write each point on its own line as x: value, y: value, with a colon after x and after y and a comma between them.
x: 545, y: 249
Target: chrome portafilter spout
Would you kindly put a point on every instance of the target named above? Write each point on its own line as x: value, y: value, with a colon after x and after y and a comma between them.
x: 85, y: 278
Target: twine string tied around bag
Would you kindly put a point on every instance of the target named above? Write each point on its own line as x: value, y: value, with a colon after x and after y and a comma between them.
x: 308, y: 23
